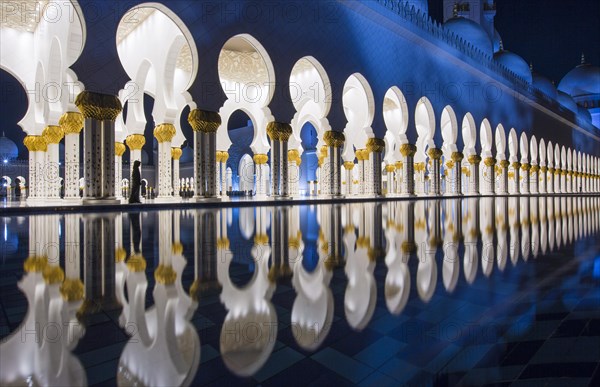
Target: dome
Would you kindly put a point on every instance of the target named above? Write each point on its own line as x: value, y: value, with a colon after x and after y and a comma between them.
x: 544, y: 85
x: 582, y: 80
x: 497, y: 41
x: 567, y: 101
x: 584, y: 114
x: 471, y: 32
x: 514, y: 63
x: 8, y: 148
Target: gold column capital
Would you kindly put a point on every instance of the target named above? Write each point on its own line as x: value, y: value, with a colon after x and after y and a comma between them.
x: 399, y: 165
x: 474, y: 159
x: 119, y: 149
x: 375, y: 145
x: 72, y: 289
x: 71, y: 122
x: 101, y: 107
x: 349, y: 165
x: 164, y: 132
x: 294, y: 155
x: 136, y: 263
x: 53, y: 274
x: 204, y: 121
x: 35, y: 143
x: 435, y: 153
x: 390, y: 168
x: 35, y: 264
x: 53, y: 134
x: 135, y: 141
x: 408, y: 150
x: 165, y: 275
x: 525, y: 167
x: 176, y: 153
x: 279, y: 131
x: 489, y: 162
x: 224, y: 156
x: 260, y: 159
x: 334, y: 139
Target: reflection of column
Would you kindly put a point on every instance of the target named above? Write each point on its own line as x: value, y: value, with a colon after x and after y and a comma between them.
x: 176, y: 155
x: 435, y: 155
x: 36, y: 145
x: 71, y: 123
x: 164, y: 133
x: 474, y: 161
x: 100, y: 112
x: 135, y: 142
x: 408, y: 173
x: 335, y: 141
x: 489, y: 177
x: 525, y: 167
x: 119, y: 150
x: 205, y: 125
x: 52, y: 134
x: 376, y: 146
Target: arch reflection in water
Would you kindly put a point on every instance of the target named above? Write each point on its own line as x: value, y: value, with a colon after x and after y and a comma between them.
x: 408, y: 252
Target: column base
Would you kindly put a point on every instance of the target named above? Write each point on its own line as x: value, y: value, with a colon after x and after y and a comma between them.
x: 453, y: 194
x: 202, y: 199
x: 99, y: 202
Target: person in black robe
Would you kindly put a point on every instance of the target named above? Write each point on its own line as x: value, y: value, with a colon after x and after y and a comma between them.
x: 136, y: 182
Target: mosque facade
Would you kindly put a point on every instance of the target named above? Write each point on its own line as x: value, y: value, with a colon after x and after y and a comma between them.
x: 288, y: 99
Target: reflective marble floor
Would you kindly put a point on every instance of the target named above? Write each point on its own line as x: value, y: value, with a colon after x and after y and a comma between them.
x: 502, y: 291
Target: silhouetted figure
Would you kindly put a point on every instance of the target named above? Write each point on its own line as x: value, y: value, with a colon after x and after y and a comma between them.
x: 17, y: 187
x: 136, y: 182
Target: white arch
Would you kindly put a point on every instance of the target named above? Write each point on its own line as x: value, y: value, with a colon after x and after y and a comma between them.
x: 425, y: 126
x: 533, y: 150
x: 513, y: 146
x: 469, y: 135
x: 449, y: 128
x: 310, y: 90
x: 395, y: 117
x: 524, y: 148
x: 359, y: 108
x: 550, y: 155
x: 249, y: 93
x: 486, y: 139
x: 500, y: 137
x: 543, y: 153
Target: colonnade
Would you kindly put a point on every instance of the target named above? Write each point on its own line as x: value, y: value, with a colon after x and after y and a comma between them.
x: 554, y: 170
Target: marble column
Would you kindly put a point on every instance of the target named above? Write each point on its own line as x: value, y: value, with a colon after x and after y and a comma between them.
x: 279, y: 133
x: 362, y: 155
x: 53, y: 135
x: 335, y: 142
x: 474, y: 161
x: 176, y: 153
x: 37, y: 146
x: 525, y: 167
x: 455, y: 167
x: 349, y: 166
x: 324, y: 171
x: 399, y: 167
x: 489, y: 177
x: 223, y: 168
x: 376, y: 147
x: 543, y: 179
x: 164, y: 134
x: 534, y: 178
x: 260, y: 163
x: 408, y: 151
x: 435, y: 155
x: 556, y: 177
x: 71, y: 123
x: 294, y: 161
x: 550, y: 179
x: 135, y: 142
x: 391, y: 186
x: 119, y: 151
x: 205, y: 125
x: 100, y: 112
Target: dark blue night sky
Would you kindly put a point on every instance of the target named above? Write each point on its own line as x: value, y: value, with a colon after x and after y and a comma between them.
x: 551, y: 34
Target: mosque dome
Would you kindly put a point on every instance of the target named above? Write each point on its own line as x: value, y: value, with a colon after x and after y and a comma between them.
x: 514, y: 63
x: 567, y: 101
x: 544, y: 85
x: 497, y: 41
x: 471, y: 32
x: 581, y: 81
x: 8, y: 148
